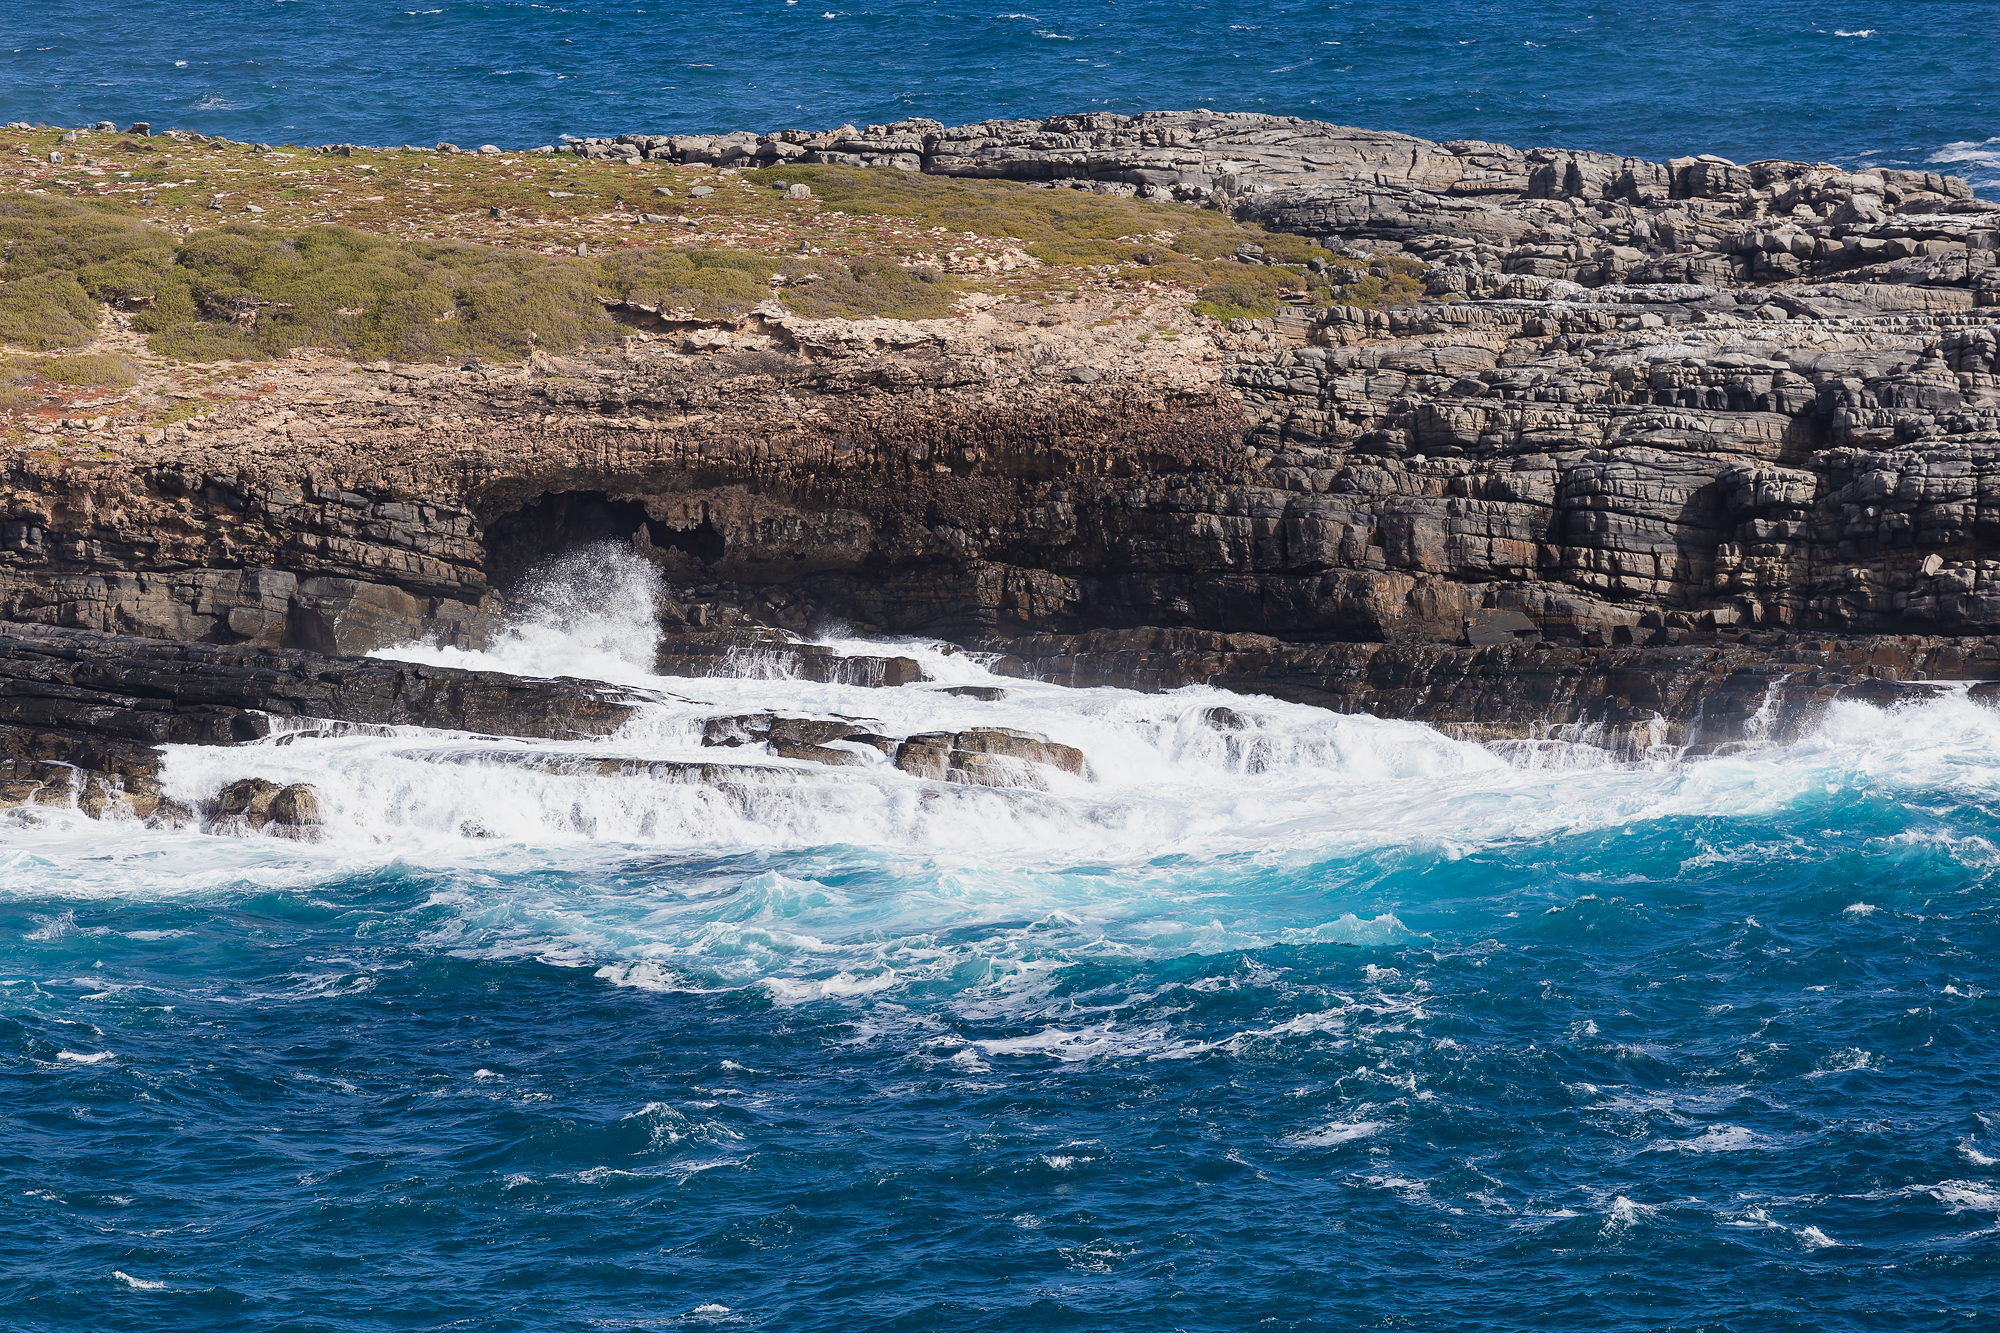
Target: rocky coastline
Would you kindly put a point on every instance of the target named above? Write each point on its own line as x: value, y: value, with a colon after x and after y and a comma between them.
x: 1664, y: 454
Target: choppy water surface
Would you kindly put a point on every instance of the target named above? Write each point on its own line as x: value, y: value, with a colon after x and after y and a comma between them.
x: 1881, y: 82
x: 1329, y: 1023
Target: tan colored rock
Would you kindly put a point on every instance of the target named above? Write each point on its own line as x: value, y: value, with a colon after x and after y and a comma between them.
x: 987, y: 757
x: 927, y: 756
x: 243, y: 806
x: 817, y: 754
x: 297, y: 805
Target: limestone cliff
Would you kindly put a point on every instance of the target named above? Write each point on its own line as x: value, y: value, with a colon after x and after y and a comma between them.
x: 1643, y: 407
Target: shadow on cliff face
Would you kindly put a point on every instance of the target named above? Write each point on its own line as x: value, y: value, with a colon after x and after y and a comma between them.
x: 559, y: 523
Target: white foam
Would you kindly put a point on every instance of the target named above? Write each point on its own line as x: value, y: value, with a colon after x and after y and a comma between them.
x: 1622, y: 1214
x: 1717, y: 1138
x: 1963, y: 1195
x: 1337, y: 1133
x: 1847, y: 1060
x: 138, y: 1283
x: 1978, y: 161
x: 1142, y: 858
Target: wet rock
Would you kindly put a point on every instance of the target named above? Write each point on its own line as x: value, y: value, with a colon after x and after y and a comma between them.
x: 809, y: 730
x: 818, y: 754
x: 257, y: 805
x: 768, y: 657
x: 156, y: 691
x: 743, y: 729
x: 1023, y: 745
x: 169, y: 814
x: 927, y: 756
x: 1220, y: 718
x: 242, y: 807
x: 679, y: 771
x: 807, y: 738
x: 987, y: 757
x: 1703, y: 691
x: 984, y: 693
x: 101, y: 777
x: 296, y: 806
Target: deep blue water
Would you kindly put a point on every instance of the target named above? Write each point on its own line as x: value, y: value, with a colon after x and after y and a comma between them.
x: 1890, y: 82
x: 1343, y: 1025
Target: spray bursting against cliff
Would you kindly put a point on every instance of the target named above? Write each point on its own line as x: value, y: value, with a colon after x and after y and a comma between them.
x: 1194, y: 773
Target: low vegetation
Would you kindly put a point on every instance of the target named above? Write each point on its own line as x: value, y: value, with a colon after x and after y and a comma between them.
x: 218, y: 251
x: 27, y: 381
x: 93, y: 370
x: 866, y: 287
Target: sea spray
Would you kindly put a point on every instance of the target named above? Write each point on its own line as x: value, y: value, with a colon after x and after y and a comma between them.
x: 1271, y: 992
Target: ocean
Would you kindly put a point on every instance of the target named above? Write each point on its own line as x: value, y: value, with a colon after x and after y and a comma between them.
x: 1910, y: 83
x: 1318, y: 1023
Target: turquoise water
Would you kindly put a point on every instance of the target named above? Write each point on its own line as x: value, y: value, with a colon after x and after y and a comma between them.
x: 1326, y: 1023
x: 1899, y: 84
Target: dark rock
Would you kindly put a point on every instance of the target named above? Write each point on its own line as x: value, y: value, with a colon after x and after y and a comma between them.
x: 727, y: 655
x: 818, y: 754
x: 161, y: 692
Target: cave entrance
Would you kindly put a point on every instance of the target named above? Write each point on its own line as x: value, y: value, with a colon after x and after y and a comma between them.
x: 701, y: 541
x: 560, y: 522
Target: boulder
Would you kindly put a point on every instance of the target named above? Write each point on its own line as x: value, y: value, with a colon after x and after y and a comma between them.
x: 257, y: 805
x: 988, y: 757
x: 243, y: 806
x: 297, y: 806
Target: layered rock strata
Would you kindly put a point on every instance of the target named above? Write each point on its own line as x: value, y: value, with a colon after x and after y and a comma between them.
x: 1658, y: 435
x: 82, y: 714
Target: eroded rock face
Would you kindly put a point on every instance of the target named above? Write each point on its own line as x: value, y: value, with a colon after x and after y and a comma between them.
x: 1681, y: 689
x: 1353, y: 475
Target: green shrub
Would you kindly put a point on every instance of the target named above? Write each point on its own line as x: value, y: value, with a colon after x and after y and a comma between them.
x: 1373, y: 293
x: 253, y: 294
x: 14, y: 373
x: 866, y: 287
x: 46, y: 311
x: 96, y: 369
x: 1237, y: 299
x: 1058, y: 226
x: 695, y: 284
x: 58, y: 258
